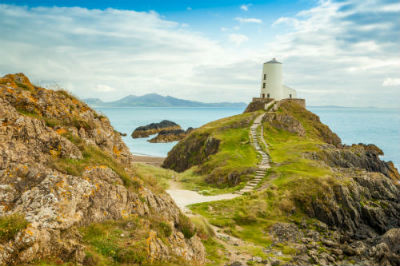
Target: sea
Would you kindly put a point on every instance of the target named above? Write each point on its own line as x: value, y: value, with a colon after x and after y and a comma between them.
x: 379, y: 126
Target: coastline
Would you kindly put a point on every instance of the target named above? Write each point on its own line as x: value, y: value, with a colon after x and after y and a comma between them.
x: 148, y: 159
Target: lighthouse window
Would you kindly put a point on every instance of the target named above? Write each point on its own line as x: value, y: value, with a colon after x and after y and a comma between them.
x: 265, y: 76
x: 263, y: 85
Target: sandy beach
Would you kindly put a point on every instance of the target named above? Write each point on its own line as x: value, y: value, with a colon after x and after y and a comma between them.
x: 156, y: 161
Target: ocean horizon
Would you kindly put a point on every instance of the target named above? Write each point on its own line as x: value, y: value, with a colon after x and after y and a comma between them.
x: 368, y: 125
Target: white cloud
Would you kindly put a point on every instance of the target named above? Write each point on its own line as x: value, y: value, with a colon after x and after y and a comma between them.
x: 245, y: 7
x: 248, y: 20
x: 337, y: 53
x: 341, y: 49
x: 390, y: 82
x: 104, y: 88
x: 238, y: 39
x: 107, y: 53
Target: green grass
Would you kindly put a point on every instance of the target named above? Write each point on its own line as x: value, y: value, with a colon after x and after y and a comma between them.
x: 227, y: 170
x: 108, y: 240
x: 10, y: 225
x: 155, y: 175
x: 292, y: 183
x: 125, y: 241
x: 215, y: 252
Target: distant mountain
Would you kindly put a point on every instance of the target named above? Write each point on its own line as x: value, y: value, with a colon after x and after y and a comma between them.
x: 156, y: 100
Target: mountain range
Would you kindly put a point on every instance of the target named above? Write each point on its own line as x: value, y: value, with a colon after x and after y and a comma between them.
x: 156, y: 100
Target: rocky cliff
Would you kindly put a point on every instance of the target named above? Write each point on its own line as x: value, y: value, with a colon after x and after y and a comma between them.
x: 68, y: 192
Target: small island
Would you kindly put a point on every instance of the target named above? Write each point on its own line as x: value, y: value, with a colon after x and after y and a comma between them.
x: 168, y: 131
x: 154, y: 128
x: 171, y: 135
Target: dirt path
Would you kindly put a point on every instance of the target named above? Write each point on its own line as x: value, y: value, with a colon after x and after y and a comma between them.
x: 183, y: 197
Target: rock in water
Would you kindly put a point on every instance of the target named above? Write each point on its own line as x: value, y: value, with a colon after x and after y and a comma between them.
x: 171, y: 135
x: 154, y: 128
x: 66, y: 187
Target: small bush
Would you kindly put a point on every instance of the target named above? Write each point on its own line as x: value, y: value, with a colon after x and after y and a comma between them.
x: 135, y: 255
x: 165, y: 229
x: 22, y: 85
x: 242, y: 218
x: 10, y: 225
x: 186, y: 226
x: 203, y: 228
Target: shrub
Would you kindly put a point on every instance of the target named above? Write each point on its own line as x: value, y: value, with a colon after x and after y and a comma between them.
x: 165, y: 229
x: 242, y: 218
x: 10, y: 225
x: 186, y: 226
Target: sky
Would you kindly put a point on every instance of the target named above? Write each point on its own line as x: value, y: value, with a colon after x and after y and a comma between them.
x: 344, y: 53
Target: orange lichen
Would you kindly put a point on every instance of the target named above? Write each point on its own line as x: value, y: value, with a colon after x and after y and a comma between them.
x: 61, y: 131
x: 116, y: 151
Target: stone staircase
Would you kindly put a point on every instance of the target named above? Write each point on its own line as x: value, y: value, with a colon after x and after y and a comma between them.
x: 264, y: 164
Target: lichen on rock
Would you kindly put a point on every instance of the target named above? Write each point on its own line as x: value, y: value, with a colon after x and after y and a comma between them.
x: 64, y: 169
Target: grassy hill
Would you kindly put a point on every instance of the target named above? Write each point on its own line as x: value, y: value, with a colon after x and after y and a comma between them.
x: 320, y: 202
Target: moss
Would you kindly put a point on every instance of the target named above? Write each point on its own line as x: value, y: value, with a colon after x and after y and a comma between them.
x: 10, y: 225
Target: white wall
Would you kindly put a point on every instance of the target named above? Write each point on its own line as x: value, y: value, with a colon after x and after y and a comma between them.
x: 273, y: 82
x: 288, y: 91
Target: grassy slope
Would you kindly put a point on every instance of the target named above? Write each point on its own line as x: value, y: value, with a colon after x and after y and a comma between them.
x: 292, y: 181
x: 235, y: 154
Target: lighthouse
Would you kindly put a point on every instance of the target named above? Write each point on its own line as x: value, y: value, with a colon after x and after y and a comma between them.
x: 273, y: 92
x: 271, y: 82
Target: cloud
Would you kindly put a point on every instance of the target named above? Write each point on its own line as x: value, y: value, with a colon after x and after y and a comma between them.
x: 245, y: 7
x: 238, y: 39
x: 390, y: 82
x: 104, y: 88
x: 341, y: 49
x: 336, y: 53
x: 108, y: 53
x: 248, y: 20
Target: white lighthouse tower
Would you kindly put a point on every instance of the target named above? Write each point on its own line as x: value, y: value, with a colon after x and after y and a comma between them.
x: 273, y: 92
x: 271, y: 82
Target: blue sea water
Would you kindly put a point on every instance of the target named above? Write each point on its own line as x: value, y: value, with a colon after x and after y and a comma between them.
x: 353, y: 125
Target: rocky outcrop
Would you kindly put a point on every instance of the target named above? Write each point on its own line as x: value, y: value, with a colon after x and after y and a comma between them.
x: 171, y: 135
x: 63, y: 168
x: 257, y: 104
x: 193, y: 151
x: 58, y: 112
x: 154, y: 128
x: 285, y: 122
x: 359, y: 156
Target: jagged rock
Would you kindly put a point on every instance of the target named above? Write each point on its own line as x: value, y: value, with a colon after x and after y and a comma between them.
x: 285, y: 232
x: 171, y: 135
x: 285, y: 122
x: 154, y: 128
x: 357, y: 156
x: 193, y: 151
x: 39, y: 131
